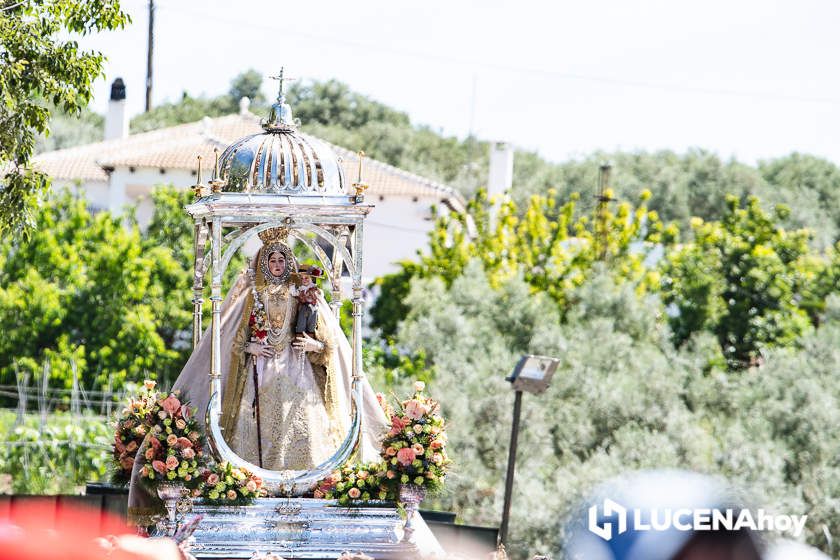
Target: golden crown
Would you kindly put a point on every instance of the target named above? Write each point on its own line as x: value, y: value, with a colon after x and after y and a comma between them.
x: 274, y: 235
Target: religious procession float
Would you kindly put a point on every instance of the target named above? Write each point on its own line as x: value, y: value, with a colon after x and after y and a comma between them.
x: 272, y: 441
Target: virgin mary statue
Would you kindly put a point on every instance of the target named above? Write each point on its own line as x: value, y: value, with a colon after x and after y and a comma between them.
x: 286, y: 397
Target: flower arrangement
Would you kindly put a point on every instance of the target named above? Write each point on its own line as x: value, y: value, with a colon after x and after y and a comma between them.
x: 132, y: 426
x: 356, y: 484
x: 414, y: 450
x: 174, y: 451
x: 224, y: 484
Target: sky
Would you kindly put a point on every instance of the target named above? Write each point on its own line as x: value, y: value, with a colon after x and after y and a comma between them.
x: 745, y: 79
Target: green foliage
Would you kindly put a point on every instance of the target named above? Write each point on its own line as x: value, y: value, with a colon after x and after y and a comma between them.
x: 68, y: 130
x: 191, y: 109
x: 551, y: 246
x: 58, y: 458
x: 38, y: 65
x: 747, y: 280
x: 622, y: 399
x: 86, y: 290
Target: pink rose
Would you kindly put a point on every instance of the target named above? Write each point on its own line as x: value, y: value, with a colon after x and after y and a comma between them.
x: 159, y: 466
x: 231, y: 494
x: 171, y: 404
x: 180, y: 424
x: 405, y: 456
x: 144, y: 472
x: 417, y: 448
x: 149, y: 384
x: 390, y: 474
x: 131, y: 447
x: 318, y: 494
x: 183, y: 443
x: 150, y: 453
x: 172, y: 463
x: 390, y: 452
x: 251, y: 486
x: 188, y: 453
x: 415, y: 410
x: 194, y: 436
x: 127, y: 463
x: 118, y: 444
x: 171, y: 440
x: 213, y: 479
x: 354, y: 493
x: 188, y: 477
x: 436, y: 444
x: 437, y: 458
x: 418, y: 429
x: 363, y: 474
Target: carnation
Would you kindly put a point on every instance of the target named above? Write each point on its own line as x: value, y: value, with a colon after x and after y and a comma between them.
x: 405, y: 456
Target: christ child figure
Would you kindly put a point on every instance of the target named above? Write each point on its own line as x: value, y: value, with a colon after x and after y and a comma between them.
x: 307, y: 295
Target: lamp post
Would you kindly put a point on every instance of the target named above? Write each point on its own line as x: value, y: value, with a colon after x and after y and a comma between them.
x: 532, y: 374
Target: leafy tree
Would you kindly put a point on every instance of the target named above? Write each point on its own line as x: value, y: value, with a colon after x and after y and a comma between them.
x: 191, y: 109
x: 67, y: 131
x: 88, y: 291
x: 750, y: 282
x: 624, y: 398
x: 551, y: 246
x: 247, y: 84
x: 38, y: 65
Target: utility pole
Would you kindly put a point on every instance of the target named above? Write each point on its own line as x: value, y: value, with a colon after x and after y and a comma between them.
x: 603, y: 197
x: 149, y: 54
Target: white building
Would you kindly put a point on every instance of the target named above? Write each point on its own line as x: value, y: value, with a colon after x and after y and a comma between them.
x: 123, y: 169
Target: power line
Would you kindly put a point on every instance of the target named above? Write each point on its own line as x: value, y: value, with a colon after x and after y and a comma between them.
x: 454, y: 60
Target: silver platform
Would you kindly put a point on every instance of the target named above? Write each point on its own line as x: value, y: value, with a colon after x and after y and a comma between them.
x: 302, y: 528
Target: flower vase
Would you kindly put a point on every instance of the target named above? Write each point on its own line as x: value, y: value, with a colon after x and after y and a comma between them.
x: 410, y: 495
x: 170, y: 493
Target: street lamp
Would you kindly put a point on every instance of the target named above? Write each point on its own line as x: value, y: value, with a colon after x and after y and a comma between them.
x: 532, y: 374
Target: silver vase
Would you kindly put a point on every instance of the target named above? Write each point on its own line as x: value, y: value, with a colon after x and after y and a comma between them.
x: 410, y: 495
x: 170, y: 493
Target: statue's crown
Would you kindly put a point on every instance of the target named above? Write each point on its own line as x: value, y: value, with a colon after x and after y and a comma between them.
x: 274, y: 235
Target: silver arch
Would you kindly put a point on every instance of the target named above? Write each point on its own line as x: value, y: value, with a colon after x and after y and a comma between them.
x: 286, y: 482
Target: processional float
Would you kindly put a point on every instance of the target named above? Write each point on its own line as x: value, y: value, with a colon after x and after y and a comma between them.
x: 281, y: 178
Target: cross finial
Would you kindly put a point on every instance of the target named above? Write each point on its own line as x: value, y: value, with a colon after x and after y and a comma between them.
x: 281, y: 89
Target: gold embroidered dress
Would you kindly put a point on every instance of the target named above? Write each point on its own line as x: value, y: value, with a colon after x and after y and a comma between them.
x: 300, y: 423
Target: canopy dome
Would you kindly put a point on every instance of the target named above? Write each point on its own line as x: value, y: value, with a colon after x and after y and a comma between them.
x: 281, y: 160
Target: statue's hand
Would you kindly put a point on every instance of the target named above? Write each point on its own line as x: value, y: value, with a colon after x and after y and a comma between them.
x: 258, y: 349
x: 304, y: 342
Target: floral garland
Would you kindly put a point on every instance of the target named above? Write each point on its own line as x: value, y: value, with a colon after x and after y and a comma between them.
x: 258, y: 321
x: 224, y: 484
x: 414, y: 450
x: 175, y: 445
x: 356, y: 484
x: 132, y: 426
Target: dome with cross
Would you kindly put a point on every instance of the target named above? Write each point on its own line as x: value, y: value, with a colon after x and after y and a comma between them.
x: 281, y: 160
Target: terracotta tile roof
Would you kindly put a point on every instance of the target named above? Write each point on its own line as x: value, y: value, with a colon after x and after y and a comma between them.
x: 176, y: 147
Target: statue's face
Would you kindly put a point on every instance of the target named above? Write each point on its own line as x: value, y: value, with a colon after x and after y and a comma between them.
x: 276, y: 264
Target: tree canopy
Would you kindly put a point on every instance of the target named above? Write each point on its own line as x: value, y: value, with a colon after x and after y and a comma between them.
x: 38, y: 65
